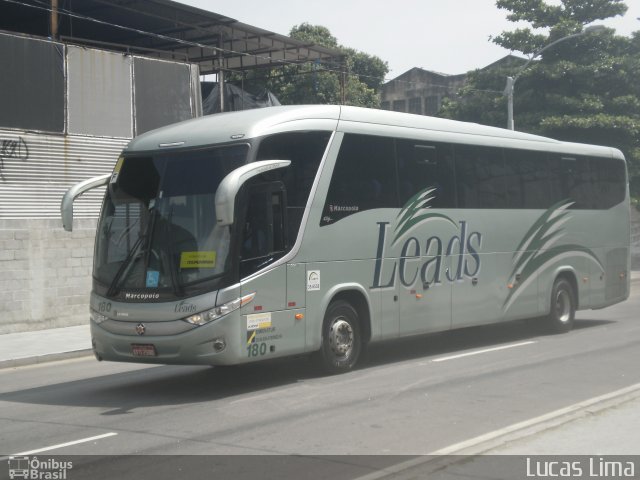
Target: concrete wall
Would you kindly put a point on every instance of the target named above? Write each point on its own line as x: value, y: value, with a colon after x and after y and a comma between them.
x: 45, y: 273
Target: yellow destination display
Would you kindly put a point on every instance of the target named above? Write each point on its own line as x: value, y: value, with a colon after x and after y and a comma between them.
x: 198, y: 260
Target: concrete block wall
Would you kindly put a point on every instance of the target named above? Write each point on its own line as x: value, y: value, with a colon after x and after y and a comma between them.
x: 45, y: 273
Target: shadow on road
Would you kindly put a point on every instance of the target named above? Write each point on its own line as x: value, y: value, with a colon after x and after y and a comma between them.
x: 455, y: 341
x: 122, y: 393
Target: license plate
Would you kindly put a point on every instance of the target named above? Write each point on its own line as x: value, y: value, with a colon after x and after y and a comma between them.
x: 143, y: 350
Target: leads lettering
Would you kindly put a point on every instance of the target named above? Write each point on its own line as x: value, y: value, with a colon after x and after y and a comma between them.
x: 462, y: 247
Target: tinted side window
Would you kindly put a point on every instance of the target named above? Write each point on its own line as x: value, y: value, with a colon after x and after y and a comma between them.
x: 481, y: 177
x: 305, y: 150
x: 574, y: 180
x: 364, y: 178
x: 609, y: 181
x: 426, y: 165
x: 529, y: 180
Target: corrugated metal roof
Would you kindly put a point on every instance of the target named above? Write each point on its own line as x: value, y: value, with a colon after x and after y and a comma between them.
x: 182, y: 32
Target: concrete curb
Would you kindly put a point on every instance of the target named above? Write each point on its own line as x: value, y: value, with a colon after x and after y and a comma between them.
x: 50, y: 357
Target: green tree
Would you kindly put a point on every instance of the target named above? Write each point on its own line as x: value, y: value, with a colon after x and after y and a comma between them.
x: 582, y: 89
x: 359, y: 74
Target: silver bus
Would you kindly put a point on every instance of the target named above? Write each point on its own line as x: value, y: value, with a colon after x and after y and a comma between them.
x: 252, y: 235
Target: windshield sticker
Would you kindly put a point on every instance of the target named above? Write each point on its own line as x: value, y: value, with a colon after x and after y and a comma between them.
x: 313, y: 280
x: 258, y: 321
x: 198, y: 259
x: 153, y: 278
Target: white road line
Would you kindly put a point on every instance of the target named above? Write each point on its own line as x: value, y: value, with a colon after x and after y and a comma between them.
x: 486, y: 350
x: 62, y: 445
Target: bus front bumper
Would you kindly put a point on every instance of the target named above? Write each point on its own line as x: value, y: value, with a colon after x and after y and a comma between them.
x: 214, y: 343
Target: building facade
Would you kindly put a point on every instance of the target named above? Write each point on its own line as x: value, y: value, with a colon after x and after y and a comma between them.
x: 67, y: 113
x: 422, y: 91
x: 419, y: 91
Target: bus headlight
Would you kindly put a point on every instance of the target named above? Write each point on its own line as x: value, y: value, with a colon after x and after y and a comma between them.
x: 219, y: 311
x: 97, y: 317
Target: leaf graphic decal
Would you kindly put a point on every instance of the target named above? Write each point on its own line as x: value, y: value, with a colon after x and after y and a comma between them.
x: 536, y: 249
x: 415, y: 212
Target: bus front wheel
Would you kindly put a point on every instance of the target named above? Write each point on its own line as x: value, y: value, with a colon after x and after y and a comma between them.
x: 341, y: 339
x: 563, y: 306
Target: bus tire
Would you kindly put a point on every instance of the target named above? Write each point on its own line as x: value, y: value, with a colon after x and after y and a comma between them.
x: 563, y: 306
x: 341, y: 338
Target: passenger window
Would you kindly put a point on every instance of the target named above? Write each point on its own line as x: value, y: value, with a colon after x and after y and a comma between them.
x: 575, y: 181
x: 426, y: 165
x: 610, y: 183
x: 364, y: 178
x: 529, y: 181
x: 305, y: 150
x: 481, y: 176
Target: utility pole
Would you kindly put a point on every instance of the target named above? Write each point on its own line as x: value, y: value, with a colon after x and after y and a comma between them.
x: 511, y: 81
x: 54, y: 19
x: 221, y: 73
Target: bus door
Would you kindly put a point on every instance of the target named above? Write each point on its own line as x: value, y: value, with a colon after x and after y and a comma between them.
x: 272, y: 328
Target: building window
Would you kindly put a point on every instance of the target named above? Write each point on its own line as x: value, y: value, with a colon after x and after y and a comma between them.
x: 415, y: 105
x: 385, y: 106
x: 432, y: 105
x: 399, y: 105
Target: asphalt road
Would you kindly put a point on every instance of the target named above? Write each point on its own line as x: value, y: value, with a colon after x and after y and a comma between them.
x: 412, y: 397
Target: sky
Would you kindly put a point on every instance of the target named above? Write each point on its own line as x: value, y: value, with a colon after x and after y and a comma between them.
x: 447, y: 36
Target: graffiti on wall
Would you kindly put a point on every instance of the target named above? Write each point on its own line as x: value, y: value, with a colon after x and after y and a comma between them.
x: 12, y: 149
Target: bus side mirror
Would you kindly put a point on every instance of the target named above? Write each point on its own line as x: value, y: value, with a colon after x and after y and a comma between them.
x: 230, y: 185
x: 66, y: 207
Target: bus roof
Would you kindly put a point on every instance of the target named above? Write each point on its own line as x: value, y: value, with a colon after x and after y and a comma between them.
x: 234, y: 126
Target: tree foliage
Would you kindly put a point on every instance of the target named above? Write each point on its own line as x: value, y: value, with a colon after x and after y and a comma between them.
x: 358, y: 74
x: 582, y: 89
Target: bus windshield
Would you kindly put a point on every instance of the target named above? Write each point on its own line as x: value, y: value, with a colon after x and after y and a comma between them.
x: 157, y: 229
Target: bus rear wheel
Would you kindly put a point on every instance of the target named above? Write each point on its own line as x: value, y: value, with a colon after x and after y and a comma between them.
x: 341, y: 338
x: 563, y: 306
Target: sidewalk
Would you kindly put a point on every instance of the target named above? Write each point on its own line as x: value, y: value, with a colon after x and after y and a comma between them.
x: 28, y: 348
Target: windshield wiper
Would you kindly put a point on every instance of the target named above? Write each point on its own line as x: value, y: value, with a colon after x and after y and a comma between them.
x: 178, y: 289
x: 135, y: 253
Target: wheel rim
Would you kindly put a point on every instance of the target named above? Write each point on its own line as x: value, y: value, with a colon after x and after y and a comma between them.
x: 341, y: 338
x: 563, y: 306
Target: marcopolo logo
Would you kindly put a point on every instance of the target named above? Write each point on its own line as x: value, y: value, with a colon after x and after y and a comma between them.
x: 462, y: 244
x: 141, y: 296
x: 33, y: 468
